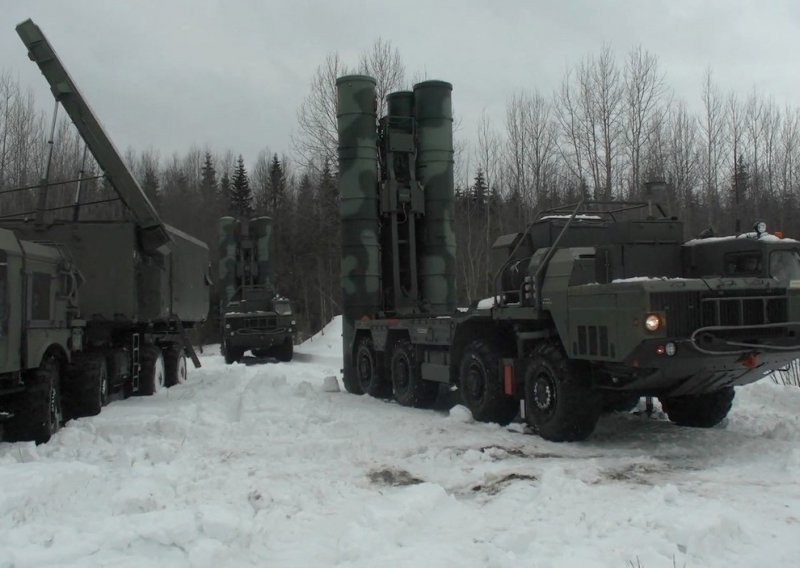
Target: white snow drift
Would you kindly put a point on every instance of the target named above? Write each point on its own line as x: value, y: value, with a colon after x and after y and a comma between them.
x: 257, y: 465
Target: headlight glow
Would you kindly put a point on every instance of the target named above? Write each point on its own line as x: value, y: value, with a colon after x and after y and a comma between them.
x: 652, y: 322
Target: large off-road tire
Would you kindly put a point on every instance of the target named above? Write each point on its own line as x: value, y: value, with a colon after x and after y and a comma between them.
x: 90, y: 385
x: 232, y: 354
x: 285, y: 351
x: 370, y: 370
x: 174, y: 365
x: 152, y: 377
x: 560, y: 403
x: 408, y: 386
x: 699, y: 411
x: 39, y: 413
x: 481, y: 385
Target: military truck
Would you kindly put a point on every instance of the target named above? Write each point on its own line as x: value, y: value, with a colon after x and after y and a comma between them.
x: 595, y: 305
x: 254, y: 317
x: 90, y: 308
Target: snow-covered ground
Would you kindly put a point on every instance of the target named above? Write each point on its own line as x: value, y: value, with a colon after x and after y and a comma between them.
x: 256, y: 465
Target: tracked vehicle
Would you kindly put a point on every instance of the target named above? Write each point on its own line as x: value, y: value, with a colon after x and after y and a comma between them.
x: 595, y: 304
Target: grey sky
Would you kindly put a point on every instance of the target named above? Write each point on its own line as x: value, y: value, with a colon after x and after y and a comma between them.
x: 169, y: 74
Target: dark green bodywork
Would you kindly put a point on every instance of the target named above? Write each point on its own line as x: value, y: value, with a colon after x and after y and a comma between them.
x: 728, y: 328
x: 113, y: 295
x: 253, y: 316
x: 358, y: 179
x: 396, y: 184
x: 434, y: 113
x: 575, y: 291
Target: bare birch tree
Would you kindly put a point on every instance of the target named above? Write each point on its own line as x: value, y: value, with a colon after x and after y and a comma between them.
x: 644, y: 91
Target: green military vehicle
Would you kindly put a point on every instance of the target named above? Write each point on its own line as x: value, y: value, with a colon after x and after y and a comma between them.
x: 254, y: 317
x: 596, y: 304
x: 90, y: 308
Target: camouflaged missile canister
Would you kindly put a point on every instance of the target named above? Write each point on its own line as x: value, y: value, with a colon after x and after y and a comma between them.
x: 261, y: 231
x: 358, y: 182
x: 434, y: 114
x: 400, y: 104
x: 227, y: 259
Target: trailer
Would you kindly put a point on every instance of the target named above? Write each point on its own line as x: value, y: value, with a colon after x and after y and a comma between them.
x: 91, y: 308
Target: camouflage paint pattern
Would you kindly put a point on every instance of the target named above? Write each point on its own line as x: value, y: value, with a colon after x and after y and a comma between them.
x: 400, y: 103
x: 227, y: 229
x: 434, y: 114
x: 261, y: 231
x: 358, y: 183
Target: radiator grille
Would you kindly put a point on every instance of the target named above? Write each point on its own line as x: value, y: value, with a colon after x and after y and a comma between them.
x: 593, y: 340
x: 681, y: 310
x: 687, y: 311
x: 256, y: 323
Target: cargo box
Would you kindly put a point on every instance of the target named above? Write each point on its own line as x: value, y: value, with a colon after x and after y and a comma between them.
x: 122, y: 283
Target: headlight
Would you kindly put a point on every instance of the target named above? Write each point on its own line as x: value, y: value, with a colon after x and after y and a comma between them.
x: 283, y: 308
x: 652, y: 322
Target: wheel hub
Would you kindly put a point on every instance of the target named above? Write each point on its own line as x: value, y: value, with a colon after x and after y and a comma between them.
x: 543, y: 395
x: 475, y: 383
x: 364, y: 368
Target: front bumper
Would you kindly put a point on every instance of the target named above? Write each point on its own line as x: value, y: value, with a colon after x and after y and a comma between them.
x: 712, y: 358
x: 257, y: 339
x: 257, y: 330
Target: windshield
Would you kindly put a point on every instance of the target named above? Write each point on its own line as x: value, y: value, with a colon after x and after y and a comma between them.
x: 784, y: 265
x: 746, y: 263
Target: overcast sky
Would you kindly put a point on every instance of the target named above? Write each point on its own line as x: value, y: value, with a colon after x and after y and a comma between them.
x: 166, y: 74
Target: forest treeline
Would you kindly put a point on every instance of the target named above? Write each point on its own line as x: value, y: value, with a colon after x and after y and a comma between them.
x: 613, y: 124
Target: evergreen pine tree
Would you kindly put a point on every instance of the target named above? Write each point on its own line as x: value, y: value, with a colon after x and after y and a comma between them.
x: 224, y: 192
x: 241, y: 196
x: 208, y: 180
x: 329, y: 190
x: 480, y: 190
x: 277, y: 185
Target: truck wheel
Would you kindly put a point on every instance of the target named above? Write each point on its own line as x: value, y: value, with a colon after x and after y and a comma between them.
x: 39, y: 414
x: 151, y: 374
x: 232, y: 354
x: 699, y: 411
x: 560, y: 403
x: 174, y: 365
x: 90, y: 372
x: 409, y: 388
x: 480, y: 384
x: 371, y: 374
x: 285, y: 351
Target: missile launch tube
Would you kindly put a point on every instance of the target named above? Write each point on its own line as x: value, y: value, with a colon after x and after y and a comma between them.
x: 226, y: 231
x: 261, y: 230
x: 434, y: 115
x: 358, y: 182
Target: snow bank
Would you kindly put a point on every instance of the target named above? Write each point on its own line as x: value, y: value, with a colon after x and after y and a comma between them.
x: 256, y: 465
